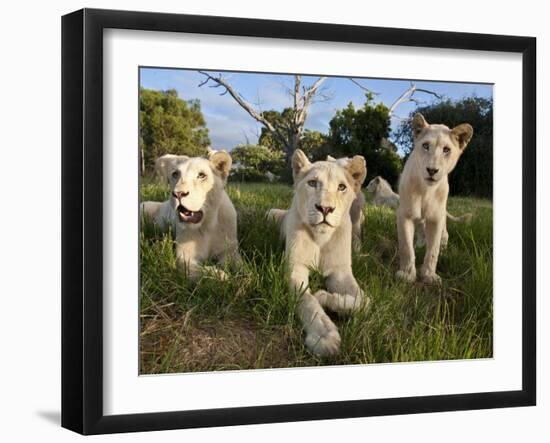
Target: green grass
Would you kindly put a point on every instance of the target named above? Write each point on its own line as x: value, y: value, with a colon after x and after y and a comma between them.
x: 249, y: 321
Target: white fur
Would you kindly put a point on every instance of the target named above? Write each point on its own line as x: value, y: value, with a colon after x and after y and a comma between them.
x: 423, y: 197
x: 165, y: 164
x: 311, y: 243
x: 356, y: 210
x: 382, y: 193
x: 200, y: 185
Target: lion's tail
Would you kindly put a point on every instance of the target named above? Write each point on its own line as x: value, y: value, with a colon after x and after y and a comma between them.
x: 461, y: 219
x: 276, y: 215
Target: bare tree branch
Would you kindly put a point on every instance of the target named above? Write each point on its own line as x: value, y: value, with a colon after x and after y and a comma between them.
x: 220, y: 81
x: 296, y: 93
x: 309, y: 93
x: 364, y: 88
x: 408, y: 96
x: 439, y: 97
x: 287, y: 133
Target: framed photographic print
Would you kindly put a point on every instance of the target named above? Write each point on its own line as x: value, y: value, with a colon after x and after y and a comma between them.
x: 269, y: 221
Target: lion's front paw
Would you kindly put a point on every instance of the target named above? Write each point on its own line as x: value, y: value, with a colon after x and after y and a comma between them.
x: 324, y: 342
x: 431, y: 278
x: 339, y: 302
x: 408, y: 276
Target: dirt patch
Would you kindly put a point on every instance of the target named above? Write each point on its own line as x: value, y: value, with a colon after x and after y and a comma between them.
x: 182, y: 344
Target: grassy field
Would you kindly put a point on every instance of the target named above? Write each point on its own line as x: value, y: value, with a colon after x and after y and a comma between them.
x: 250, y: 322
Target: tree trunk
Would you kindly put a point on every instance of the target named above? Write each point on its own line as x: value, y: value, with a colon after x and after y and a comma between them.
x: 142, y: 162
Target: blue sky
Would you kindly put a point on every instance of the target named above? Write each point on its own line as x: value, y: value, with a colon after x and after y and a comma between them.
x: 229, y: 125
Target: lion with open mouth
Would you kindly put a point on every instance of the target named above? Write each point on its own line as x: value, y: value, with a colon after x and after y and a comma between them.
x: 202, y: 216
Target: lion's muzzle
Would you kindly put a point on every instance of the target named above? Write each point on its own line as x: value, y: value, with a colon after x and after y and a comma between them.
x: 187, y: 216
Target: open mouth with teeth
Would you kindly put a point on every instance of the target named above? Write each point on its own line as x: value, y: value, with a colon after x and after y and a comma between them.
x: 188, y: 216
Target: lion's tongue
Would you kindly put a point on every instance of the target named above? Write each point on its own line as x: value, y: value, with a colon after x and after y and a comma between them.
x: 190, y: 216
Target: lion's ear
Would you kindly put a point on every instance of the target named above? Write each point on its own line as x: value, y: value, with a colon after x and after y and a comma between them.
x: 300, y: 163
x: 418, y: 123
x: 330, y: 158
x: 463, y: 134
x: 357, y: 168
x: 210, y: 152
x: 221, y: 163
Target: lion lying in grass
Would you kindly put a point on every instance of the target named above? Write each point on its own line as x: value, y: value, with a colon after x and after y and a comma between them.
x: 318, y: 231
x: 423, y: 190
x: 382, y: 193
x: 355, y: 212
x: 203, y: 219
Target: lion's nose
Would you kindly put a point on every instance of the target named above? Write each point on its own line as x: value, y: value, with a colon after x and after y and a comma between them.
x: 432, y: 171
x: 324, y: 209
x: 180, y: 194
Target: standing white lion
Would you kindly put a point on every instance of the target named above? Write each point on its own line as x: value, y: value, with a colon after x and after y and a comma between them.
x: 423, y: 191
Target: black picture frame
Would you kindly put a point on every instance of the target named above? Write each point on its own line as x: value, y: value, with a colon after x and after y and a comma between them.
x: 82, y: 219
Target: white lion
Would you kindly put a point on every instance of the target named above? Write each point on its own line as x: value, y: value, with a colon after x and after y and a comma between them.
x: 423, y: 190
x: 383, y: 195
x: 355, y: 212
x: 202, y: 216
x: 317, y: 230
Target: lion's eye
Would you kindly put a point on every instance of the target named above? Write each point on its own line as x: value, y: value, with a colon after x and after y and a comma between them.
x: 446, y: 150
x: 426, y: 146
x: 201, y: 176
x: 312, y: 183
x: 175, y: 174
x: 342, y: 187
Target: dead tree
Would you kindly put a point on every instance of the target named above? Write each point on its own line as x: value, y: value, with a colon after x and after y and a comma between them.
x: 408, y: 96
x: 287, y: 133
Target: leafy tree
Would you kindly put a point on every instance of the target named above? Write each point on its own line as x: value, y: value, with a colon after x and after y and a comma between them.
x: 281, y: 121
x: 315, y: 145
x: 309, y: 142
x: 169, y: 125
x: 364, y: 131
x: 473, y: 174
x: 251, y: 162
